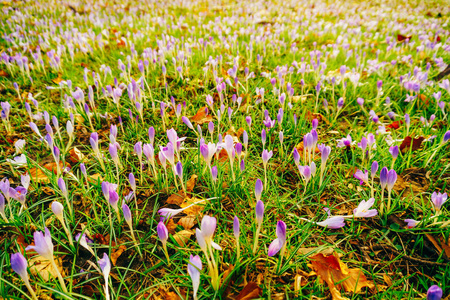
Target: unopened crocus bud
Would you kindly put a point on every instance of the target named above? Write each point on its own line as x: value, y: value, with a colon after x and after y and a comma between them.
x: 263, y: 137
x: 163, y: 233
x: 132, y: 181
x: 340, y: 103
x: 62, y: 187
x: 2, y: 207
x: 238, y: 148
x: 127, y: 214
x: 113, y: 153
x: 242, y: 165
x: 187, y: 122
x: 374, y: 169
x: 296, y: 156
x: 315, y: 123
x: 434, y: 293
x: 248, y: 119
x: 214, y: 173
x: 105, y: 266
x: 383, y: 177
x: 281, y: 137
x: 407, y: 120
x: 58, y: 209
x: 211, y: 127
x: 151, y: 135
x: 360, y: 102
x: 19, y: 265
x: 113, y: 199
x: 179, y: 170
x: 25, y: 180
x: 83, y: 169
x: 194, y: 267
x: 446, y: 136
x: 258, y: 189
x: 394, y: 151
x: 259, y: 212
x: 391, y: 179
x: 236, y: 229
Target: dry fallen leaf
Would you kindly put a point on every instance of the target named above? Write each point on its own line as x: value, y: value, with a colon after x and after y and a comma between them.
x: 190, y: 184
x: 95, y: 178
x: 406, y: 144
x: 39, y: 176
x: 176, y: 198
x: 330, y: 269
x: 43, y: 267
x: 194, y: 210
x: 183, y: 236
x: 201, y: 116
x: 250, y: 291
x: 75, y: 155
x: 117, y: 253
x: 171, y: 296
x: 187, y: 222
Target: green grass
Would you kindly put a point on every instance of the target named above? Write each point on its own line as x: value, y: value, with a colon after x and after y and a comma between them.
x: 401, y: 262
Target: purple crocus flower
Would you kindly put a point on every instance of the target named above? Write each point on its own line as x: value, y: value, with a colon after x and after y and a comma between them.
x: 187, y: 122
x: 266, y: 155
x: 391, y: 179
x: 374, y: 169
x: 394, y: 151
x: 258, y: 189
x: 296, y: 156
x: 105, y: 266
x: 410, y: 223
x: 345, y: 142
x: 280, y: 241
x: 363, y: 210
x: 236, y: 230
x: 19, y: 265
x: 42, y: 244
x: 363, y: 177
x: 334, y: 222
x: 438, y: 200
x: 132, y: 181
x: 214, y: 173
x: 434, y: 293
x: 383, y: 177
x: 163, y: 233
x: 194, y: 267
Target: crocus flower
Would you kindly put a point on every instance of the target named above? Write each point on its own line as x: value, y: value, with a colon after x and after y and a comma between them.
x: 410, y: 223
x: 44, y: 247
x: 259, y: 215
x: 434, y: 293
x: 25, y: 180
x: 19, y: 265
x: 394, y: 151
x: 333, y: 222
x: 324, y: 154
x: 236, y: 230
x: 194, y: 267
x: 363, y: 210
x: 113, y: 201
x: 438, y: 200
x: 58, y: 210
x: 163, y: 235
x: 280, y: 241
x: 105, y: 266
x: 228, y: 145
x: 363, y: 177
x: 391, y: 179
x: 258, y: 189
x: 383, y: 178
x: 345, y: 142
x: 2, y: 208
